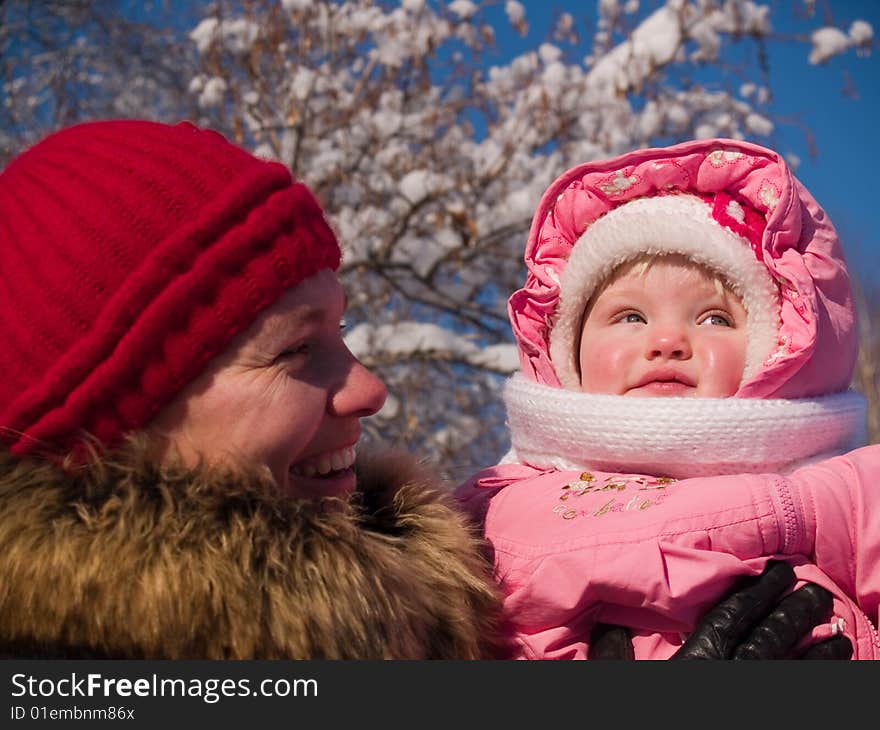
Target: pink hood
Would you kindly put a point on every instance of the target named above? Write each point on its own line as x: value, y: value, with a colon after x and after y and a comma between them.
x: 800, y: 249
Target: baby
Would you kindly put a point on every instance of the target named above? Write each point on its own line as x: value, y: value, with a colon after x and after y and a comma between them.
x: 637, y: 490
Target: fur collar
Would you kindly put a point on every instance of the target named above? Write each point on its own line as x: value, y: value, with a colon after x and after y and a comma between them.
x: 121, y: 559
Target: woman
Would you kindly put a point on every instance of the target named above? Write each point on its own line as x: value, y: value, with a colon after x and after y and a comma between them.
x: 180, y: 416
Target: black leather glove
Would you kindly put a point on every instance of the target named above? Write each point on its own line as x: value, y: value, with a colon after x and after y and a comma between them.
x: 750, y: 623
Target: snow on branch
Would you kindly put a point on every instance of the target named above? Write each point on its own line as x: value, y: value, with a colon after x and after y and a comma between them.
x: 402, y: 341
x: 829, y: 41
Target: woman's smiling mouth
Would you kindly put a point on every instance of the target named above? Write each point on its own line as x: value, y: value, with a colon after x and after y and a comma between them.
x: 326, y: 464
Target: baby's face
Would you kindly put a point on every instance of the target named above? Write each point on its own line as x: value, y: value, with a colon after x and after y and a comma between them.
x: 667, y: 331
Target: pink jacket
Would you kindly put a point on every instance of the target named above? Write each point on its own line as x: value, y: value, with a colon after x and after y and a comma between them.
x: 573, y: 547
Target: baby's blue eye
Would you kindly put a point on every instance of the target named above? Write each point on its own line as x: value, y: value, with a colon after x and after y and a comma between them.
x: 635, y: 318
x: 718, y: 319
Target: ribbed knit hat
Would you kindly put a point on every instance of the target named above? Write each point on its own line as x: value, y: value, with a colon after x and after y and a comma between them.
x: 131, y: 253
x: 715, y: 231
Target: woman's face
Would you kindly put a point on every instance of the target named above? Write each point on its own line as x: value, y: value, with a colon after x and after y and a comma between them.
x: 287, y: 394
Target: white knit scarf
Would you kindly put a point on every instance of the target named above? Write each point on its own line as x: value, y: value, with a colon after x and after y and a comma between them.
x: 677, y: 437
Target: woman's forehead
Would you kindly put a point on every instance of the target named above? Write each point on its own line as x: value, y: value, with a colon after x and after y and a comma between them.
x: 316, y: 300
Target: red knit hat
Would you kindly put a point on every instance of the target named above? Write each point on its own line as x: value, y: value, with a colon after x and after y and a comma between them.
x: 131, y: 253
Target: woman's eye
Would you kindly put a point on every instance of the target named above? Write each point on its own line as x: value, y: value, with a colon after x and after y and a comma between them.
x: 719, y: 320
x: 293, y: 352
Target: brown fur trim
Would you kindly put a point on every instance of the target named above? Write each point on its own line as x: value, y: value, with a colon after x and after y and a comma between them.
x: 123, y: 559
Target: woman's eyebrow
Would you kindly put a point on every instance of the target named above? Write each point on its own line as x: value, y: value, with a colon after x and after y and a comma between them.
x: 280, y: 327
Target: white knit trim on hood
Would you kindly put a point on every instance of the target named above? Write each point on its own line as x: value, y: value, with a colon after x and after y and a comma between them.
x: 677, y: 437
x: 666, y: 224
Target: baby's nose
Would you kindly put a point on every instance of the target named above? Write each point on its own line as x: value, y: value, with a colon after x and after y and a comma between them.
x: 671, y: 343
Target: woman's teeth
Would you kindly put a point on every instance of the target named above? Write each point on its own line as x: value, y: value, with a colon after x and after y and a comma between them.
x: 326, y: 463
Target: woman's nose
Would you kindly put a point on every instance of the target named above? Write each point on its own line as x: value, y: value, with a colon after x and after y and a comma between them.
x: 361, y: 394
x: 668, y: 343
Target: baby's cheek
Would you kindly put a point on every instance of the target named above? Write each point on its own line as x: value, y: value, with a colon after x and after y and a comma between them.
x: 603, y: 369
x: 723, y: 370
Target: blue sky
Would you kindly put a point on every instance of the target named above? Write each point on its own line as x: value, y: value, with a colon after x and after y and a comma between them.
x: 841, y: 174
